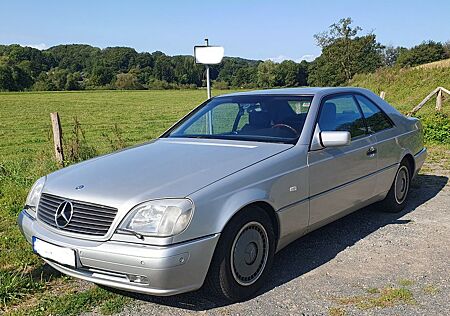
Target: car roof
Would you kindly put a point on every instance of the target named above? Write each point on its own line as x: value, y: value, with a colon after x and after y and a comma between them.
x: 296, y: 91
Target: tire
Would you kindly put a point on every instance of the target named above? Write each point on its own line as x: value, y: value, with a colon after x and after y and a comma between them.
x: 237, y: 277
x: 395, y: 200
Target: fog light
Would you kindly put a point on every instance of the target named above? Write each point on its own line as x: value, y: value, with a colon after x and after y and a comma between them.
x: 141, y: 279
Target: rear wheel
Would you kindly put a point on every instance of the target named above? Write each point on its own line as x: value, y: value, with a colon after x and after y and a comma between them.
x: 243, y: 255
x: 395, y: 200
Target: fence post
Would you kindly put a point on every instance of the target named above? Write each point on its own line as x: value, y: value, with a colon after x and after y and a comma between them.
x: 439, y: 100
x: 382, y: 94
x: 57, y: 137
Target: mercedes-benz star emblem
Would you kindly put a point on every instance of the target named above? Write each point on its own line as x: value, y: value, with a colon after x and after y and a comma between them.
x: 63, y: 214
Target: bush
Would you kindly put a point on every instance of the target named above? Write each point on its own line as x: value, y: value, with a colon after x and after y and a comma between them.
x: 426, y: 52
x: 156, y: 84
x: 220, y: 85
x: 436, y: 128
x: 127, y: 81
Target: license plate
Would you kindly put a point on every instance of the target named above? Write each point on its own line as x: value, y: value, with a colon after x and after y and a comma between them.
x: 59, y: 254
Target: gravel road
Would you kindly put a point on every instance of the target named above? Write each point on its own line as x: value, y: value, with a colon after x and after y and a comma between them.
x: 367, y: 263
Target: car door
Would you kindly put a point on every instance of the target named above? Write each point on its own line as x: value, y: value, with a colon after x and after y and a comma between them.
x: 341, y: 178
x: 381, y: 126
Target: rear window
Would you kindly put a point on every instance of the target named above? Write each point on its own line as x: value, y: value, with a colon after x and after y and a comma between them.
x: 376, y: 119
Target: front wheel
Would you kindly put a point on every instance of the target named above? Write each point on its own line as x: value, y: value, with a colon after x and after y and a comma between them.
x: 395, y: 200
x: 243, y: 255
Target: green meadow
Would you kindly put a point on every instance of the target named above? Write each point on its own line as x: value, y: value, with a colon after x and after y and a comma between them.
x: 107, y: 120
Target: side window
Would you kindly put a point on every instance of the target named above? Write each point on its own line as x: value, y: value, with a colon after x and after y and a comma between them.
x: 376, y: 120
x: 341, y: 113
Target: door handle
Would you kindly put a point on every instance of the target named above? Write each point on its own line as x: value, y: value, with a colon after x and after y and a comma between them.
x: 371, y: 152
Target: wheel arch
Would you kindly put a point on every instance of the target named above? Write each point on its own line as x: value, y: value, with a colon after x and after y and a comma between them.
x: 270, y: 211
x: 267, y: 208
x: 408, y: 157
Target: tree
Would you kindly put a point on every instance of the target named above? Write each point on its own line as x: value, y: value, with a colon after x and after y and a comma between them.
x: 390, y: 55
x: 344, y: 54
x: 266, y: 75
x: 426, y: 52
x: 6, y: 79
x: 127, y: 81
x: 43, y: 83
x: 101, y: 74
x: 245, y: 77
x: 74, y: 57
x: 21, y: 78
x: 447, y: 49
x: 79, y: 66
x: 58, y: 77
x: 186, y: 71
x: 287, y: 74
x: 120, y: 59
x: 73, y: 81
x: 302, y: 75
x: 163, y: 69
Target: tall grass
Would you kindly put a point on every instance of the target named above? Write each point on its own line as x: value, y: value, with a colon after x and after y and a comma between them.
x: 405, y: 88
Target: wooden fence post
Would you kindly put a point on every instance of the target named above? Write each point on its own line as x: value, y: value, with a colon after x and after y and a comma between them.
x: 438, y: 92
x: 439, y: 100
x: 57, y: 137
x: 382, y: 94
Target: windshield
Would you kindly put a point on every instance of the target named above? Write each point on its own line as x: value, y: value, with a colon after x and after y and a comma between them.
x: 252, y: 118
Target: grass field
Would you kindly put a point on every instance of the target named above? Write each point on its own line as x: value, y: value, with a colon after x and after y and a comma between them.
x: 405, y: 88
x: 25, y: 155
x: 109, y: 119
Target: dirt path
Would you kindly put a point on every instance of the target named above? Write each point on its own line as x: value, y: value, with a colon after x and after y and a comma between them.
x: 369, y: 262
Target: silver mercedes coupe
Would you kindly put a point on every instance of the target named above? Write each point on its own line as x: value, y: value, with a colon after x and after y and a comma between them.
x: 212, y: 200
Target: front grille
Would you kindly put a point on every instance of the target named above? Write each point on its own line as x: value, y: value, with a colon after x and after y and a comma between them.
x: 87, y: 218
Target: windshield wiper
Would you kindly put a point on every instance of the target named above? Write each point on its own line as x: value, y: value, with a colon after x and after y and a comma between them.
x: 129, y: 231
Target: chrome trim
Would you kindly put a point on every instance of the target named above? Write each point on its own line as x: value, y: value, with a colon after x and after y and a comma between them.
x: 87, y: 219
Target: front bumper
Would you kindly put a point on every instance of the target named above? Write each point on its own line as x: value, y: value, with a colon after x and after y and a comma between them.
x: 132, y: 267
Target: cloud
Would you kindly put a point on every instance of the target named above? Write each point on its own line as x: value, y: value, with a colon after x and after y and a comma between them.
x: 40, y: 46
x: 308, y: 57
x: 281, y: 58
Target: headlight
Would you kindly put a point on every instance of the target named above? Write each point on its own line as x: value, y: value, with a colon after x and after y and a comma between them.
x: 160, y: 218
x: 35, y: 193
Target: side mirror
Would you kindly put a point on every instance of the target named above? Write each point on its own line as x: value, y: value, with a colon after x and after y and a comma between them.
x: 335, y: 138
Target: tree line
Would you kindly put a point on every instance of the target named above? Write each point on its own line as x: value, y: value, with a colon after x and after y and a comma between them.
x: 345, y: 52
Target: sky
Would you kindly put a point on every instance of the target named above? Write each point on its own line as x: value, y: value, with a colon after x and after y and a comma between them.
x: 263, y: 29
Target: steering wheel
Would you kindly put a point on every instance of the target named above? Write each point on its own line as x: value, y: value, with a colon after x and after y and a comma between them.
x: 290, y: 128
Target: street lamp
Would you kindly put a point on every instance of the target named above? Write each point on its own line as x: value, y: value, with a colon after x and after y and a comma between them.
x: 208, y: 55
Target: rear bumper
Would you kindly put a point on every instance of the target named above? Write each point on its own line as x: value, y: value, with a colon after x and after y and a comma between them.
x: 419, y: 159
x: 132, y: 267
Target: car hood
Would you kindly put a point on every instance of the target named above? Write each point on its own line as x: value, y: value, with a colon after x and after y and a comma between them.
x: 163, y: 168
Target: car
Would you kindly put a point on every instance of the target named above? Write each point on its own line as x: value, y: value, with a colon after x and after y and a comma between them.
x: 212, y: 200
